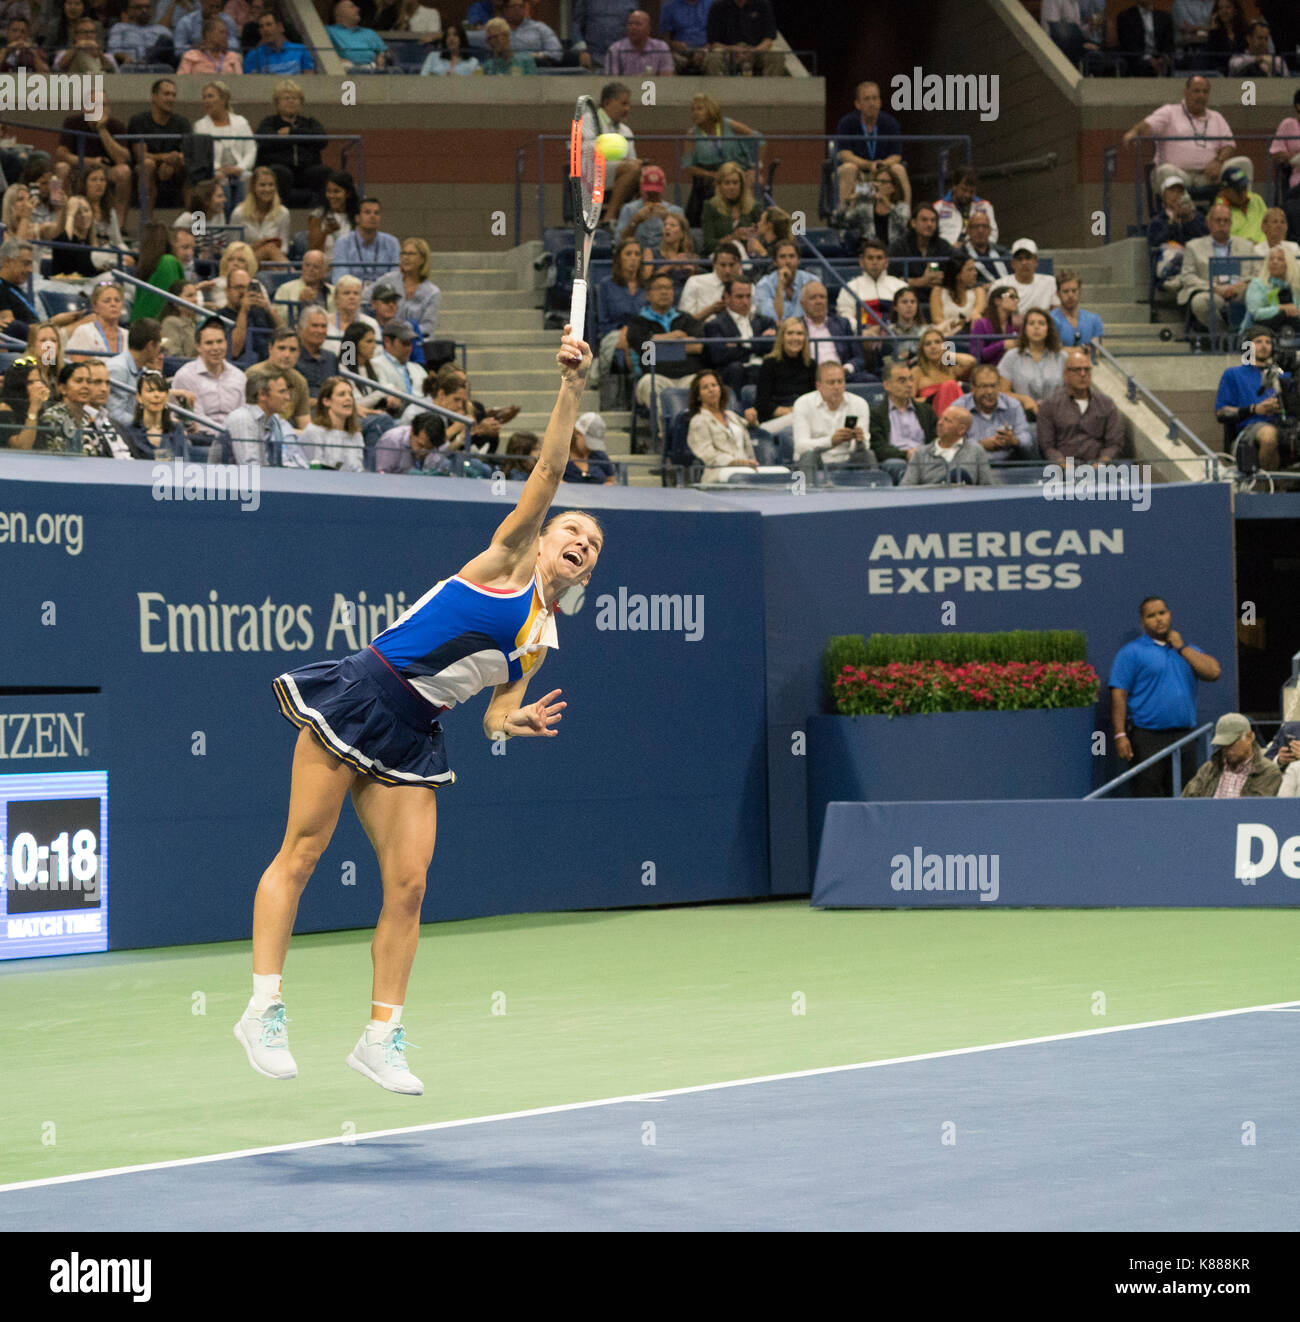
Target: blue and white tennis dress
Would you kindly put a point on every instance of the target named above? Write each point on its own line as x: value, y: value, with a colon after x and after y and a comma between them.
x: 377, y: 709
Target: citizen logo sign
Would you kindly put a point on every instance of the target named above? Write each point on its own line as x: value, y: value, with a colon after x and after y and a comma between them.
x: 41, y: 734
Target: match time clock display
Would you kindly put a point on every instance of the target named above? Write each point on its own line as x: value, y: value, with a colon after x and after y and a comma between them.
x: 53, y: 864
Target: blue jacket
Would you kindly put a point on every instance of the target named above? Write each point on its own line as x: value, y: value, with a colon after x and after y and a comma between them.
x: 722, y: 327
x: 849, y: 349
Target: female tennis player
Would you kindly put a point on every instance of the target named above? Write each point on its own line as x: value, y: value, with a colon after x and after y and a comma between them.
x: 368, y: 726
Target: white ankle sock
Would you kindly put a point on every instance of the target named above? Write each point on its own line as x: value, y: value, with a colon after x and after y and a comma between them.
x: 266, y: 988
x: 382, y: 1026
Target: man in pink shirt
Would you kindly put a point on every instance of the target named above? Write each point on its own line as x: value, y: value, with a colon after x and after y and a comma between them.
x: 1285, y: 147
x: 1204, y: 138
x: 639, y: 52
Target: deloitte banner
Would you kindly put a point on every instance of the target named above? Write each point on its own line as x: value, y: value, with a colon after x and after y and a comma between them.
x: 975, y: 560
x: 1181, y: 853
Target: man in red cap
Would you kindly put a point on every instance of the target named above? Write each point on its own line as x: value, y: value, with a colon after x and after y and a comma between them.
x: 645, y: 214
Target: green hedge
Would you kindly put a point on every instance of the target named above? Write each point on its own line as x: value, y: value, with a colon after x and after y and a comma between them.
x: 882, y: 649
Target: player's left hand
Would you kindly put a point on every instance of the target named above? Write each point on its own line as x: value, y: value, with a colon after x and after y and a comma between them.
x: 538, y: 717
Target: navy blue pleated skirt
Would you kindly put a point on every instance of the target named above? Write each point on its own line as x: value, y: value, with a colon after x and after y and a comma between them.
x: 362, y: 711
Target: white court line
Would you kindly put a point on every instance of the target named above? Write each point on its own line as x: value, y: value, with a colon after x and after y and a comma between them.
x: 655, y: 1096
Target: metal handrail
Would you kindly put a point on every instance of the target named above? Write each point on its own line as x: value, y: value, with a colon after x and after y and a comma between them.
x: 1200, y: 732
x: 426, y: 404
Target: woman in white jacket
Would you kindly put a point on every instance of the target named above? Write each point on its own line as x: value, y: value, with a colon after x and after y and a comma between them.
x: 234, y: 154
x: 718, y: 437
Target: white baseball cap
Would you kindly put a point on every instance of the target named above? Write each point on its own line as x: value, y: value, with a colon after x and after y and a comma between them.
x: 1024, y: 245
x: 591, y: 426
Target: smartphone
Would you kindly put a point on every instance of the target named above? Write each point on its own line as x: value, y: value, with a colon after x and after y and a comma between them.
x: 851, y: 421
x: 934, y: 266
x: 255, y: 287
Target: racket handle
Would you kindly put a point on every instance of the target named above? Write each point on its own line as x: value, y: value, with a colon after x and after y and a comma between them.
x: 578, y: 310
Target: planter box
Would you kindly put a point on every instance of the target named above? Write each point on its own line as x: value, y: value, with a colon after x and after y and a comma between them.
x: 1043, y: 754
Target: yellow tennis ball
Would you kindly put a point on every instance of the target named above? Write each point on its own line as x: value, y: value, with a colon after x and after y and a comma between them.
x: 612, y: 146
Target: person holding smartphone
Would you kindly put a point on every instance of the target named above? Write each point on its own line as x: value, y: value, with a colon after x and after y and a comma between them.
x: 828, y: 423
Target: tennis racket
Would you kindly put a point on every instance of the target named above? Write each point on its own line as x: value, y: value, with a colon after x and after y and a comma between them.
x: 586, y: 193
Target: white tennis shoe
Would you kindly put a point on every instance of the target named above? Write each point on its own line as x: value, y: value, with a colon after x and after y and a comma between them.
x: 266, y: 1040
x: 383, y: 1059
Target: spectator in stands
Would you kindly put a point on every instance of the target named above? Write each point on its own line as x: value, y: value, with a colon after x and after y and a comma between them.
x: 101, y: 438
x: 282, y: 356
x: 1236, y: 769
x: 384, y: 300
x: 588, y: 465
x: 334, y: 438
x: 638, y: 53
x: 486, y: 431
x: 1256, y: 61
x: 315, y: 361
x: 276, y: 55
x: 597, y: 25
x: 1035, y: 368
x: 1174, y: 225
x: 865, y: 139
x: 881, y: 208
x: 831, y: 338
x: 257, y: 431
x: 777, y: 294
x: 1073, y: 324
x: 17, y: 213
x: 1036, y: 291
x: 17, y: 314
x: 620, y: 296
x: 717, y: 436
x: 367, y: 252
x: 1247, y: 207
x: 403, y: 449
x: 299, y: 173
x: 905, y: 326
x: 159, y: 133
x: 528, y: 36
x: 961, y: 299
x: 829, y: 425
x: 1063, y: 22
x: 731, y: 213
x: 394, y: 367
x: 45, y: 344
x: 1153, y: 682
x: 501, y: 59
x: 1284, y: 749
x: 137, y: 39
x: 645, y: 214
x: 1271, y: 295
x: 251, y: 316
x: 62, y: 419
x: 1146, y: 35
x: 311, y: 287
x: 143, y: 354
x: 233, y: 156
x: 103, y: 333
x: 76, y: 239
x: 738, y: 364
x: 773, y: 227
x: 875, y: 289
x: 611, y: 117
x: 336, y: 215
x: 998, y: 330
x: 959, y: 204
x: 347, y: 312
x: 1248, y: 403
x: 992, y: 261
x: 191, y: 31
x: 1206, y: 140
x: 939, y: 369
x: 162, y: 253
x: 180, y: 325
x: 659, y: 322
x: 1274, y: 227
x: 785, y: 374
x: 420, y: 297
x: 95, y: 184
x: 684, y: 24
x: 1284, y: 151
x: 354, y: 43
x: 101, y: 148
x: 153, y: 431
x: 56, y: 28
x: 918, y: 257
x: 1227, y: 31
x: 1077, y: 422
x: 207, y: 199
x: 899, y: 423
x: 998, y: 423
x: 1194, y: 281
x: 524, y: 449
x: 212, y: 57
x: 237, y: 256
x: 454, y: 57
x: 22, y: 398
x: 413, y: 16
x: 741, y: 33
x: 675, y: 242
x: 85, y: 53
x: 702, y: 296
x: 265, y: 219
x: 951, y: 457
x: 217, y: 386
